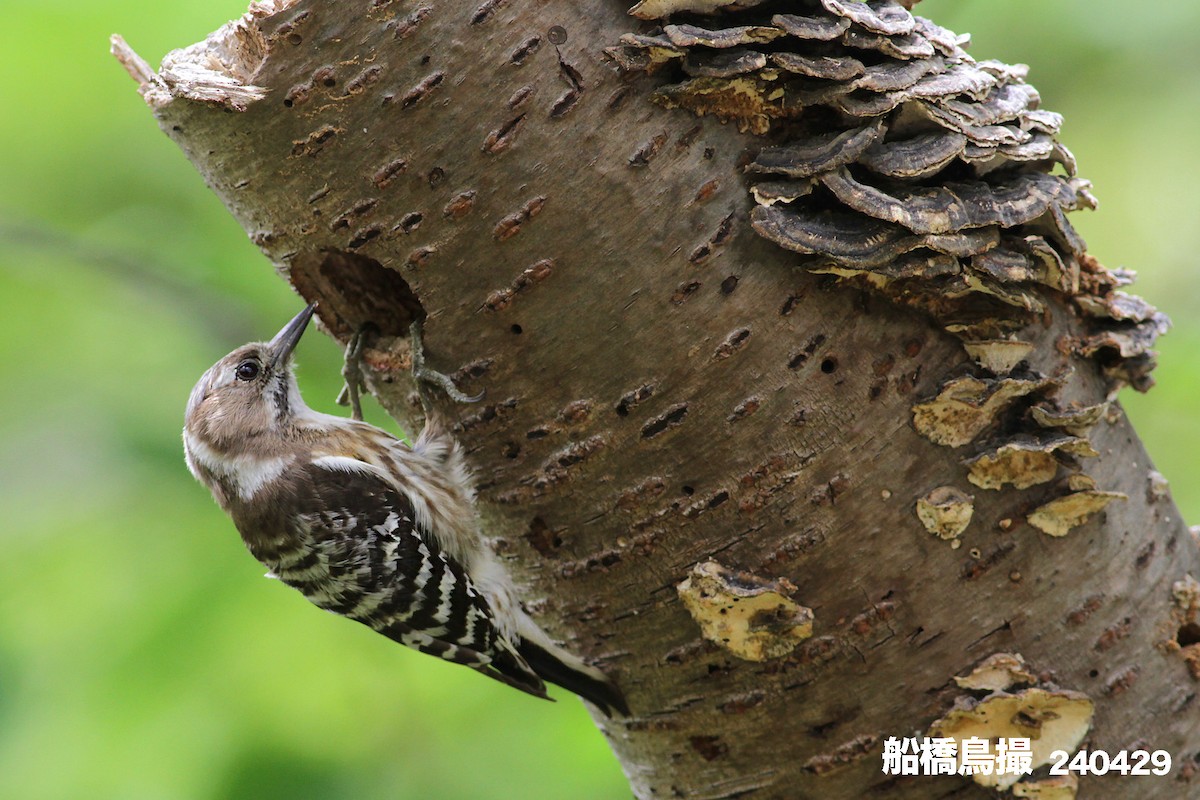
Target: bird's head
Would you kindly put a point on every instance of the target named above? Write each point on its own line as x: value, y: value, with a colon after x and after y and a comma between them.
x: 249, y: 394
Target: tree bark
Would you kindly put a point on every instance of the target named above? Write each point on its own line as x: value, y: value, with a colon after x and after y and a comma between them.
x: 665, y: 387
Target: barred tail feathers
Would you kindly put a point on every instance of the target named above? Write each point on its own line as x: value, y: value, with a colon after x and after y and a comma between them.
x: 535, y: 651
x: 509, y: 667
x: 573, y: 675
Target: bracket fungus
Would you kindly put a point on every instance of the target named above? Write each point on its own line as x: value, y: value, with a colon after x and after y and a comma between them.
x: 998, y: 356
x: 1051, y: 720
x: 1057, y: 787
x: 1060, y: 515
x: 902, y: 164
x: 1076, y: 421
x: 946, y: 512
x: 996, y: 673
x: 751, y: 617
x: 1024, y: 461
x: 967, y: 406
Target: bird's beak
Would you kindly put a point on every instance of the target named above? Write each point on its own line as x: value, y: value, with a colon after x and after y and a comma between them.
x: 286, y: 340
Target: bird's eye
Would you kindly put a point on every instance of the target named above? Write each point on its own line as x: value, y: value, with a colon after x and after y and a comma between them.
x: 247, y: 370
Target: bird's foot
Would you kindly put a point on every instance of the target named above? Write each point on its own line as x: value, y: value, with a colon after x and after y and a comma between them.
x: 424, y: 375
x: 352, y: 370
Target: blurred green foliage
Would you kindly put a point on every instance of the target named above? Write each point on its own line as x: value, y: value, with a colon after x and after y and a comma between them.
x: 141, y: 653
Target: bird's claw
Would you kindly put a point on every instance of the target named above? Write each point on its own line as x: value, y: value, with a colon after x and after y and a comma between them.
x: 352, y: 372
x: 426, y: 375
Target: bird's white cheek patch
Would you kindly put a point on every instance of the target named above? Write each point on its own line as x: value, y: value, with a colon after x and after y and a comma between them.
x: 249, y: 473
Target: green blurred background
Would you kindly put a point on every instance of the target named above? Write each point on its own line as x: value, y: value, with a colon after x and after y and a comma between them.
x: 142, y: 655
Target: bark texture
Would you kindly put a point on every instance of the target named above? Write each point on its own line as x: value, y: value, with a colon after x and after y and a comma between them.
x: 667, y: 386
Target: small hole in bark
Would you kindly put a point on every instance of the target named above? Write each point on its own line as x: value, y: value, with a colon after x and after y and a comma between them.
x: 502, y: 138
x: 485, y: 11
x: 564, y: 104
x: 422, y: 90
x: 364, y: 236
x: 287, y: 101
x: 1188, y: 634
x: 689, y: 491
x: 631, y: 399
x: 512, y: 450
x: 409, y: 222
x: 1093, y: 673
x: 684, y: 292
x: 729, y: 284
x: 669, y: 419
x: 328, y: 82
x: 542, y: 538
x: 385, y: 174
x: 355, y: 289
x: 425, y: 60
x: 520, y: 96
x: 517, y: 329
x: 322, y: 75
x: 527, y: 48
x: 436, y: 176
x: 829, y: 366
x: 295, y: 38
x: 700, y: 254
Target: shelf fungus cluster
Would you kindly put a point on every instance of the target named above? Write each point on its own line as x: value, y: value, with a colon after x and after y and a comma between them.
x: 1006, y: 701
x: 886, y: 155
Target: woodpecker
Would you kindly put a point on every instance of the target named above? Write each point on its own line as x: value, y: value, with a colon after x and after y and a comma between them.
x: 364, y: 525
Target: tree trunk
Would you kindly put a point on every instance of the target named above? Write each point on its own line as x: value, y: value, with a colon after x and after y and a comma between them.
x: 667, y: 386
